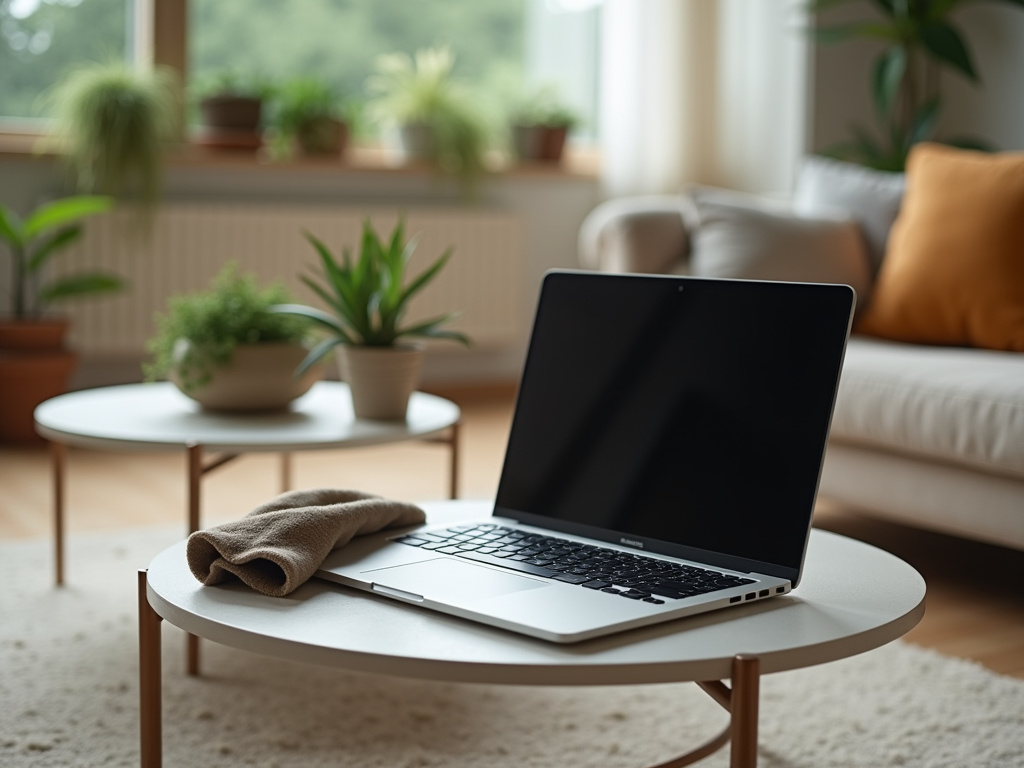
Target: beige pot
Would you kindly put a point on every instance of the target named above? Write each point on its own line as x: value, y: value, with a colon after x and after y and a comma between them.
x: 381, y: 378
x: 260, y: 377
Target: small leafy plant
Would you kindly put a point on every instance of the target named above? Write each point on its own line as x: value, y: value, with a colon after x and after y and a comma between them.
x: 368, y: 298
x: 307, y: 110
x: 200, y: 330
x: 37, y: 239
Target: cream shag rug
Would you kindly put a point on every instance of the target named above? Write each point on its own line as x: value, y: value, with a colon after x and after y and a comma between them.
x: 68, y: 697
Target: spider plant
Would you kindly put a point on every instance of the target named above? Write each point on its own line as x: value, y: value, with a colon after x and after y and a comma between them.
x: 368, y: 298
x: 420, y: 91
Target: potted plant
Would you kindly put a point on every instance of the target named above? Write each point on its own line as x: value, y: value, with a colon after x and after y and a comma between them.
x: 309, y: 113
x: 540, y: 126
x: 34, y: 365
x: 917, y: 40
x: 367, y: 300
x: 231, y: 111
x: 227, y: 350
x: 112, y: 124
x: 435, y: 118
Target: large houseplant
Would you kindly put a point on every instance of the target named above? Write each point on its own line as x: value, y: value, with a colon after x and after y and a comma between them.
x: 436, y: 118
x: 112, y: 124
x: 367, y: 300
x: 34, y: 365
x: 224, y: 348
x: 919, y: 38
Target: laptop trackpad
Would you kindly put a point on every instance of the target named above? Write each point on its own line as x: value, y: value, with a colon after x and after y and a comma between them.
x: 445, y: 580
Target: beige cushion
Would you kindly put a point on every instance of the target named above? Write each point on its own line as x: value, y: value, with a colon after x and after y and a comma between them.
x: 964, y: 406
x: 739, y: 237
x: 869, y: 196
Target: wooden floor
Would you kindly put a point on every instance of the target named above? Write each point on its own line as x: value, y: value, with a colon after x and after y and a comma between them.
x: 975, y: 606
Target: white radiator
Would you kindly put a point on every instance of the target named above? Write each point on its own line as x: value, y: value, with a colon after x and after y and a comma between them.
x: 190, y: 242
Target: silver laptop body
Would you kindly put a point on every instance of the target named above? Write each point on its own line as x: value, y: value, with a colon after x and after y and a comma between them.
x: 663, y: 461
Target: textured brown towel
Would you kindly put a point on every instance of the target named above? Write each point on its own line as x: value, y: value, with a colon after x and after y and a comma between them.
x: 280, y: 544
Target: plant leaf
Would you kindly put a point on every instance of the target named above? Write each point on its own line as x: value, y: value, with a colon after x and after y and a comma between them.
x: 326, y: 319
x: 887, y: 78
x: 81, y: 285
x: 64, y: 211
x: 62, y: 238
x: 945, y: 44
x: 926, y: 122
x: 426, y: 276
x: 317, y: 353
x: 431, y: 328
x: 842, y: 32
x: 11, y: 227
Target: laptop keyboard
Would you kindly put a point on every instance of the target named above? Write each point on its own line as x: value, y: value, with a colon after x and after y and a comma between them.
x: 635, y: 577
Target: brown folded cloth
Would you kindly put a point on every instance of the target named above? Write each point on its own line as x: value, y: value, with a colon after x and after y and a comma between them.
x: 280, y: 544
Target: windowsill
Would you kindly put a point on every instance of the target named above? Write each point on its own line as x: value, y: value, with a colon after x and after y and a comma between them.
x: 577, y: 162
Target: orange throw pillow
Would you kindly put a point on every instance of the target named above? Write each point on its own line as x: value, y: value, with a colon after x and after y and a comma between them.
x: 954, y: 266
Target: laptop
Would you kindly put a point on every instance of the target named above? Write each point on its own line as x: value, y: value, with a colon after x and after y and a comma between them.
x: 663, y: 461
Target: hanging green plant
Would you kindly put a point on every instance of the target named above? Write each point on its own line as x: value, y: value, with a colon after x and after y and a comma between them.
x: 112, y: 124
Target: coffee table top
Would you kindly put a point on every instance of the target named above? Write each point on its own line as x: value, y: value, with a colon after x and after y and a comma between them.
x: 158, y: 416
x: 853, y: 598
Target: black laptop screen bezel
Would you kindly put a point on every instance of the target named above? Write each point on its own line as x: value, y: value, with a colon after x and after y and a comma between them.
x: 830, y: 304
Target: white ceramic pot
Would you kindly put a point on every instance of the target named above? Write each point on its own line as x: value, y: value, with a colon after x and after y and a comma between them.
x: 381, y: 378
x: 260, y: 377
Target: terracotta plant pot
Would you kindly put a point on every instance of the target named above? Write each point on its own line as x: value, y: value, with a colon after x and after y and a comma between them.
x: 554, y: 144
x: 323, y: 136
x: 34, y: 366
x: 260, y: 377
x: 381, y: 378
x: 528, y: 141
x: 230, y: 122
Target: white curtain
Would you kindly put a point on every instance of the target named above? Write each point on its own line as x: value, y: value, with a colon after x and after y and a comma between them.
x: 706, y: 91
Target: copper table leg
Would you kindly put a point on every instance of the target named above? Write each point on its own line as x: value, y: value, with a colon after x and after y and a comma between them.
x: 58, y: 460
x: 150, y: 684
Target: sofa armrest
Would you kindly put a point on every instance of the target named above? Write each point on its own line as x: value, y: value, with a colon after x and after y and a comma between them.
x: 636, y: 234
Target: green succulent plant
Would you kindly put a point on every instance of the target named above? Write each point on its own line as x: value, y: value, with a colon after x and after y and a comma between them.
x: 368, y: 298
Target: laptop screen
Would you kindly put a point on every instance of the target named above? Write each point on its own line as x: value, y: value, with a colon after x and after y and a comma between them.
x: 684, y: 416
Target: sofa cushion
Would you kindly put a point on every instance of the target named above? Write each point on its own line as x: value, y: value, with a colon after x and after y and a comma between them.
x: 869, y: 196
x: 954, y: 270
x: 738, y: 238
x: 963, y: 406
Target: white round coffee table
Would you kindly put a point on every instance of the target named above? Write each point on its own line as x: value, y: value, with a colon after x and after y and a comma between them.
x: 853, y: 598
x: 148, y: 417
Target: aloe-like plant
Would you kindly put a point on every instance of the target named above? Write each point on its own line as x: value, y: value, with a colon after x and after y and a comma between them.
x: 112, y: 124
x: 421, y: 91
x: 368, y: 297
x: 36, y: 239
x: 919, y: 38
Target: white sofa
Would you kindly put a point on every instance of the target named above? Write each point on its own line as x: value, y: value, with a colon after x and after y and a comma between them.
x: 923, y: 435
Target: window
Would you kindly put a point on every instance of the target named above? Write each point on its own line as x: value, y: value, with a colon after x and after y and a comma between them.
x: 40, y: 40
x: 501, y: 46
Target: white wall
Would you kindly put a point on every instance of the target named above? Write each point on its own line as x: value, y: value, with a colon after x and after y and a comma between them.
x: 993, y: 111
